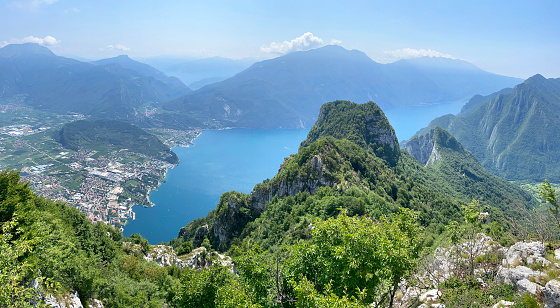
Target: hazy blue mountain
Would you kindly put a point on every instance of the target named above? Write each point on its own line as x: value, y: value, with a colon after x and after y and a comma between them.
x: 192, y: 71
x: 62, y: 85
x: 514, y: 135
x: 478, y: 100
x: 146, y: 70
x: 287, y: 92
x: 206, y: 81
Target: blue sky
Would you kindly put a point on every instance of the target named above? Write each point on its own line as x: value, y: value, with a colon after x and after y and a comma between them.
x: 515, y: 38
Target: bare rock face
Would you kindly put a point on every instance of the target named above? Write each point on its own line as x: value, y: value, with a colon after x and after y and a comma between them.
x: 71, y: 300
x: 522, y: 253
x: 512, y: 275
x: 162, y: 255
x: 199, y: 235
x: 199, y: 258
x: 527, y: 286
x: 424, y: 149
x: 503, y: 304
x: 551, y: 293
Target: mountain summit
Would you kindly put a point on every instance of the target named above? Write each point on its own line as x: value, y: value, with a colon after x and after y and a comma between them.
x: 118, y: 89
x: 515, y: 133
x: 287, y: 92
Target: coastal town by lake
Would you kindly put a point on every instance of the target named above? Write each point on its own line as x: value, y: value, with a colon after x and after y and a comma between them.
x: 103, y: 183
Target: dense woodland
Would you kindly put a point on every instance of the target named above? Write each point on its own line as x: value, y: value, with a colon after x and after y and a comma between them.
x: 338, y: 226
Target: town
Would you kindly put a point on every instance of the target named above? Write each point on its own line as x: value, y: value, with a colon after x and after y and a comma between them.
x: 104, y: 184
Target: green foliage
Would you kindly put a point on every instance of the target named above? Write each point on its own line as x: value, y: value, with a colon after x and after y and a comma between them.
x: 458, y: 293
x: 362, y: 124
x: 506, y: 131
x: 357, y: 256
x: 15, y: 276
x: 551, y: 196
x: 200, y: 288
x: 70, y: 253
x: 115, y: 134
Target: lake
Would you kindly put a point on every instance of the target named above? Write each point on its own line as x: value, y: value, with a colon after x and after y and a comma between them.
x: 237, y: 159
x: 408, y: 120
x: 219, y: 161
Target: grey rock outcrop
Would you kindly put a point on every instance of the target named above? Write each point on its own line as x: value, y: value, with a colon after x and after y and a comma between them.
x: 199, y: 235
x: 424, y: 149
x: 199, y: 258
x: 526, y: 253
x: 503, y: 303
x: 512, y: 275
x: 527, y: 286
x: 551, y: 293
x: 162, y: 255
x: 72, y: 300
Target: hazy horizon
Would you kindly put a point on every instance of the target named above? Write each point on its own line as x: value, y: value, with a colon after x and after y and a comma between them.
x: 512, y: 38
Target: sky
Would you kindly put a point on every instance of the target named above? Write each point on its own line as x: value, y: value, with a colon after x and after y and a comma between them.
x: 513, y: 38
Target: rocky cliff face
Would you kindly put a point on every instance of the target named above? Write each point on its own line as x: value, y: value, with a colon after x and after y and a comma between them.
x: 424, y: 149
x: 235, y: 210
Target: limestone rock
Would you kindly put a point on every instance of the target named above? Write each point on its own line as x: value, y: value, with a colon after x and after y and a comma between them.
x: 423, y: 149
x: 162, y: 255
x: 430, y: 296
x: 551, y: 293
x: 432, y: 306
x: 527, y: 286
x: 503, y: 303
x: 522, y: 253
x: 70, y: 301
x: 199, y: 235
x: 557, y: 254
x: 512, y: 275
x: 199, y: 258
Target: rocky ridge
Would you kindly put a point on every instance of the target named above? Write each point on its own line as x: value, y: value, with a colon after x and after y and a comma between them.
x: 524, y: 265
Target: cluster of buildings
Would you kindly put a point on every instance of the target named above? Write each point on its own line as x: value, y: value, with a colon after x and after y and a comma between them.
x: 21, y: 130
x: 108, y: 188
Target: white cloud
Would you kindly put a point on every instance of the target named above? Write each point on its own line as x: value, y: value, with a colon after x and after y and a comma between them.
x: 30, y: 4
x: 48, y: 41
x: 305, y: 42
x: 117, y: 47
x: 72, y: 10
x: 409, y: 53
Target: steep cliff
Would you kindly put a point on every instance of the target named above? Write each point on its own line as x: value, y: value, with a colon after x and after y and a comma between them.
x: 514, y: 134
x: 364, y: 124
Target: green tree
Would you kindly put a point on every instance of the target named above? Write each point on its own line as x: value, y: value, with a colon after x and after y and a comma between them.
x: 551, y: 196
x: 15, y: 283
x: 357, y: 257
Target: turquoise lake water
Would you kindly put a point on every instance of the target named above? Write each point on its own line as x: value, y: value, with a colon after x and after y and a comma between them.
x: 408, y: 120
x: 237, y: 159
x: 219, y: 161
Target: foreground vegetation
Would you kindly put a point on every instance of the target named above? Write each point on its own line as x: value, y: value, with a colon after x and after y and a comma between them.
x: 338, y: 226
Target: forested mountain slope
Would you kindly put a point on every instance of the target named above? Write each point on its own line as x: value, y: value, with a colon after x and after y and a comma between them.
x: 288, y: 91
x: 514, y: 135
x: 90, y: 135
x: 337, y: 168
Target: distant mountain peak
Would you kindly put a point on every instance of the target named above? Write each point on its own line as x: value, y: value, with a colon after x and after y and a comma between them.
x: 364, y: 124
x: 27, y: 49
x: 538, y: 78
x: 427, y: 148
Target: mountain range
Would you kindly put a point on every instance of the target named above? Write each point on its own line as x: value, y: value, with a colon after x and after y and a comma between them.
x: 200, y: 72
x: 115, y: 88
x: 345, y: 164
x: 287, y: 92
x: 514, y: 132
